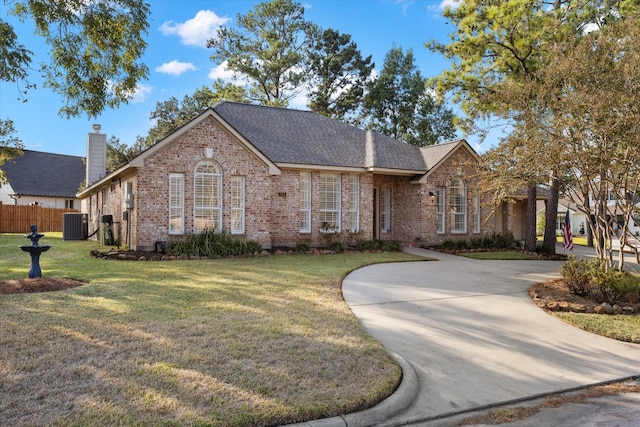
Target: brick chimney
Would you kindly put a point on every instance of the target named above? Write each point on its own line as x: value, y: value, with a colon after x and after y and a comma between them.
x: 96, y: 155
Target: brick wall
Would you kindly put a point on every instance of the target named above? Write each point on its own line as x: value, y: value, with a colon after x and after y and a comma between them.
x: 182, y: 155
x: 457, y: 165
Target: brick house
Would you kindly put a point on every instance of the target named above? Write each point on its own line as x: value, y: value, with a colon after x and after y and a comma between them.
x: 282, y: 176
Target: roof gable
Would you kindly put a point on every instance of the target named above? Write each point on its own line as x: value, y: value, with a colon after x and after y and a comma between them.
x: 45, y: 174
x: 435, y: 155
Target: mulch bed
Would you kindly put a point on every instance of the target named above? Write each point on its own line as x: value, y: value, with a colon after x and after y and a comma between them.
x: 40, y: 284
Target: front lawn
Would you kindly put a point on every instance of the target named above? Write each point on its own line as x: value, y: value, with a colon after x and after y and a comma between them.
x: 499, y: 255
x: 233, y: 342
x: 620, y: 327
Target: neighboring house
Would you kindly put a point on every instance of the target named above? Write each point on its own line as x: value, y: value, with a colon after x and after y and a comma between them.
x: 577, y: 220
x: 283, y: 176
x: 45, y: 179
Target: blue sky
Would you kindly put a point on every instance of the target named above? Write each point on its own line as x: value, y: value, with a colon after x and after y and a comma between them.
x: 179, y: 61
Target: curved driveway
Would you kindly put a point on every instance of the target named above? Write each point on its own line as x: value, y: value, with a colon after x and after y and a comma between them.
x: 474, y: 336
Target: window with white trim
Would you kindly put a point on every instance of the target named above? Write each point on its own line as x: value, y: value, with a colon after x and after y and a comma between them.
x: 304, y: 214
x: 476, y: 213
x: 176, y: 203
x: 354, y: 203
x: 441, y: 202
x: 207, y: 196
x: 330, y: 203
x: 458, y: 204
x: 385, y: 210
x: 237, y: 205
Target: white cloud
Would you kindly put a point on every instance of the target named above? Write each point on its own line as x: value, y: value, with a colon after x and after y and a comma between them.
x: 299, y: 102
x: 453, y: 4
x: 404, y: 4
x: 221, y: 72
x: 197, y: 30
x: 141, y: 93
x: 175, y: 67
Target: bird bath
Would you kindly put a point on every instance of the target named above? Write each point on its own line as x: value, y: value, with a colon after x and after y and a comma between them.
x: 35, y: 249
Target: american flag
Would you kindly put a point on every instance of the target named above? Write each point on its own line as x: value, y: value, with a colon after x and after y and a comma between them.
x: 567, y: 238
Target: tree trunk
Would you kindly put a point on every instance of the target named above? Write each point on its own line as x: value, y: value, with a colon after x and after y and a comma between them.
x: 530, y: 220
x: 551, y: 216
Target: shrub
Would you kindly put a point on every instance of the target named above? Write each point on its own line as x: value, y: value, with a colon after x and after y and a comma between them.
x: 577, y: 275
x: 368, y: 245
x: 500, y: 241
x: 212, y: 244
x: 459, y: 245
x: 329, y: 234
x: 302, y: 248
x: 606, y: 285
x: 336, y: 246
x: 476, y: 243
x: 353, y: 238
x: 392, y: 246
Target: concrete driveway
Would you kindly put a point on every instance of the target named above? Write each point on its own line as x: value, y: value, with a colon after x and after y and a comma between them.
x: 473, y: 335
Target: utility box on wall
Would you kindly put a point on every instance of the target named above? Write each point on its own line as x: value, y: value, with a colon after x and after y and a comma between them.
x: 128, y: 195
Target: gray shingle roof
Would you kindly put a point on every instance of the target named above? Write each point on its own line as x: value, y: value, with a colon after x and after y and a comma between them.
x: 45, y: 174
x: 433, y: 154
x: 305, y: 137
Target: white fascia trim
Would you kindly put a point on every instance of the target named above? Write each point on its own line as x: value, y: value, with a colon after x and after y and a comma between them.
x: 299, y: 166
x: 402, y: 172
x: 106, y: 180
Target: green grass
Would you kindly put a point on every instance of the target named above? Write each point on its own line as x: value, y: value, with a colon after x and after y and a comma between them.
x: 622, y: 328
x: 577, y: 240
x: 498, y: 255
x: 233, y: 342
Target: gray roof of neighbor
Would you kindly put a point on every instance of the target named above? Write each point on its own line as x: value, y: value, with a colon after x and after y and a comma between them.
x: 305, y: 137
x: 44, y: 174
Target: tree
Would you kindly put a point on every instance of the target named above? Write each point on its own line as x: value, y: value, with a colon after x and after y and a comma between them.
x: 95, y: 49
x: 269, y: 48
x: 399, y: 105
x: 169, y: 116
x: 118, y: 154
x: 496, y: 54
x: 595, y: 86
x: 10, y: 145
x: 172, y: 114
x: 338, y: 75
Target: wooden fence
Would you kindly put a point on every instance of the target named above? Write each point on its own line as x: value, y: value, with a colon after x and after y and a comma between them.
x: 18, y: 218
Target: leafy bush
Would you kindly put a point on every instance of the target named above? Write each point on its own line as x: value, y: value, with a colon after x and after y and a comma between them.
x: 476, y: 243
x: 577, y: 275
x: 212, y: 244
x: 329, y: 234
x: 353, y: 238
x: 302, y: 248
x: 500, y: 241
x: 369, y: 245
x: 493, y: 241
x: 336, y: 246
x: 392, y: 246
x: 590, y: 278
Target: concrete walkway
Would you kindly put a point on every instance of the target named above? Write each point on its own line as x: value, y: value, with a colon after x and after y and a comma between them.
x: 473, y: 336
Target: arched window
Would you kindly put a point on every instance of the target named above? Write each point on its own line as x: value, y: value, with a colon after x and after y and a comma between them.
x: 458, y: 203
x: 207, y: 196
